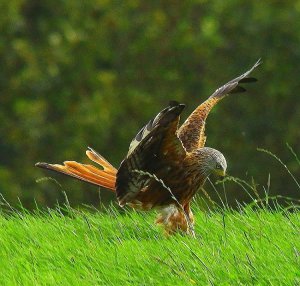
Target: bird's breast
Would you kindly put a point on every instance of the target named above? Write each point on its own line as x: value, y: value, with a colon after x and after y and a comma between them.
x: 169, y: 185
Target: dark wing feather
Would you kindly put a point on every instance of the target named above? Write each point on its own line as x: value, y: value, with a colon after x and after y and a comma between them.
x: 150, y: 126
x: 191, y: 133
x: 155, y: 148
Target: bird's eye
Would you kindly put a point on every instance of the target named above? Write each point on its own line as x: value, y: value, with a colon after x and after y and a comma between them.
x: 218, y: 166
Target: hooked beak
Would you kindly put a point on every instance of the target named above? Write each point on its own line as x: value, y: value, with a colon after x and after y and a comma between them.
x: 220, y: 172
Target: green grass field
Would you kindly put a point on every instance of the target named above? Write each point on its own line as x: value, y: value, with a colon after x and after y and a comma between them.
x: 244, y: 247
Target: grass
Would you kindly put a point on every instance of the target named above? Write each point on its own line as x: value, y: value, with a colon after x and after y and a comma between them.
x: 257, y: 244
x: 245, y: 247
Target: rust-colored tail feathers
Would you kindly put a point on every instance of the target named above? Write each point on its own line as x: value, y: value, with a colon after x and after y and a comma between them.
x: 87, y: 173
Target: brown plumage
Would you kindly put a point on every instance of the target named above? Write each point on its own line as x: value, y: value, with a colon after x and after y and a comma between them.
x: 165, y: 166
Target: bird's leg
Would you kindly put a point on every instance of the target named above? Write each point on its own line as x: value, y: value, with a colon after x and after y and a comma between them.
x: 174, y: 219
x: 190, y: 216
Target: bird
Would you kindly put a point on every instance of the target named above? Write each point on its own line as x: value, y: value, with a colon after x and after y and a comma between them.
x: 166, y: 164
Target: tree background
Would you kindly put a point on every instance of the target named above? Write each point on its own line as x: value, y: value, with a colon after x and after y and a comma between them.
x: 91, y: 73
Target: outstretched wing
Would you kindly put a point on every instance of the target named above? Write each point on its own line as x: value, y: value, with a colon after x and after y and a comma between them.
x: 191, y: 133
x: 155, y: 148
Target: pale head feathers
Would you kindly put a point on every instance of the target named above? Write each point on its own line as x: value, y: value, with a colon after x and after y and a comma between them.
x: 210, y: 161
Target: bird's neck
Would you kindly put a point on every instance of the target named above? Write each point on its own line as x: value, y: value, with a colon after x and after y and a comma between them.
x: 199, y: 162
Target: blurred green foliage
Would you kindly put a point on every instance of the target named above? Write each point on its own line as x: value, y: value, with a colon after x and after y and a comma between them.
x: 91, y: 73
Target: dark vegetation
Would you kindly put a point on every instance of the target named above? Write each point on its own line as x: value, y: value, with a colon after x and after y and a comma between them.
x: 91, y: 73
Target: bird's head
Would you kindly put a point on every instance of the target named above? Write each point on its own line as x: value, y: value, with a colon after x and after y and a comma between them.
x: 220, y: 165
x: 211, y: 161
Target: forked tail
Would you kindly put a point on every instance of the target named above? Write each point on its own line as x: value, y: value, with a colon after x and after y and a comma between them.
x: 105, y: 177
